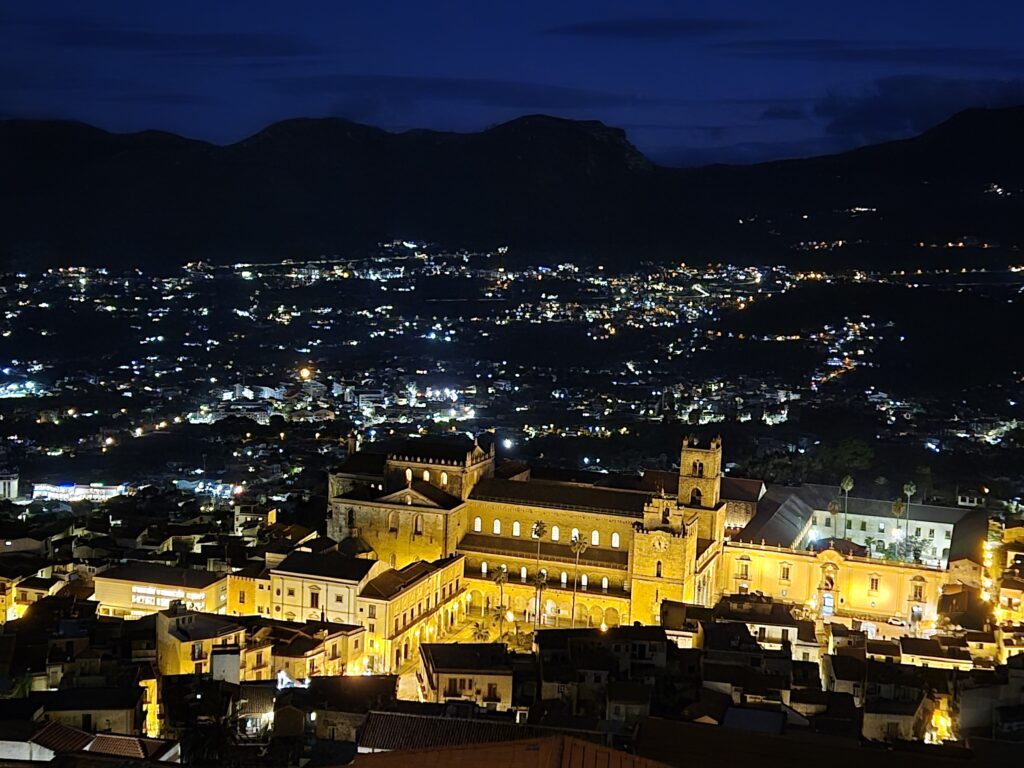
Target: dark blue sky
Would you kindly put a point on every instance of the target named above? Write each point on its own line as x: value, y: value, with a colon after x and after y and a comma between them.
x: 689, y: 81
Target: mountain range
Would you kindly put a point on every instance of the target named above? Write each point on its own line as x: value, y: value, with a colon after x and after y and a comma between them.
x: 74, y: 194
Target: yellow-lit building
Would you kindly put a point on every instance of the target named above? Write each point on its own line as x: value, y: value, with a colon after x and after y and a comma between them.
x: 690, y: 536
x: 138, y: 589
x: 255, y: 648
x: 249, y: 592
x: 421, y: 603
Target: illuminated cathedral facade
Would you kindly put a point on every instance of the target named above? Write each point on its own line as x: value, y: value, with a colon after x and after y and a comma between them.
x: 606, y: 550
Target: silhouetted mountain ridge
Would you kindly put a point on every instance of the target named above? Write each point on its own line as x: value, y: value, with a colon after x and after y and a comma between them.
x: 76, y: 194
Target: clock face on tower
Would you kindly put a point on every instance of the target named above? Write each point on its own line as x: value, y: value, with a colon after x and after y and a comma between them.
x: 659, y: 545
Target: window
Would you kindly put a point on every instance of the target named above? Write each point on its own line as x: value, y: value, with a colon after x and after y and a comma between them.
x: 863, y: 525
x: 371, y: 611
x: 554, y: 533
x: 408, y: 475
x: 828, y: 522
x: 595, y: 539
x: 784, y: 572
x: 873, y: 584
x: 516, y: 529
x: 918, y: 592
x: 564, y: 578
x: 522, y: 574
x: 931, y: 533
x: 496, y: 528
x: 583, y: 581
x: 949, y: 534
x: 339, y: 598
x: 291, y: 591
x: 917, y: 532
x: 478, y: 524
x: 657, y: 569
x: 604, y: 583
x: 743, y: 568
x: 849, y: 525
x: 881, y: 527
x: 444, y: 479
x: 241, y: 597
x: 615, y: 540
x: 426, y: 475
x: 575, y: 535
x: 417, y: 525
x: 695, y: 497
x: 314, y: 599
x: 393, y: 522
x: 483, y: 568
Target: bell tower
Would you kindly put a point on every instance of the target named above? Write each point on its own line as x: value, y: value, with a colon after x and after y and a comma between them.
x: 700, y: 474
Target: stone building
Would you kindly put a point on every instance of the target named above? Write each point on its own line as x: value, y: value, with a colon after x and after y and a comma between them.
x: 689, y: 536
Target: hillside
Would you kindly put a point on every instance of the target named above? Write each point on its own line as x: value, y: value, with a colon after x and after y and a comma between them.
x: 72, y: 193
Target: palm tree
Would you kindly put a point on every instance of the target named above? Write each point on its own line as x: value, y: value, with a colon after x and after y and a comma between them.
x: 846, y: 485
x: 909, y: 489
x: 480, y: 633
x: 540, y: 583
x: 540, y: 530
x: 499, y: 578
x: 898, y: 508
x: 578, y: 546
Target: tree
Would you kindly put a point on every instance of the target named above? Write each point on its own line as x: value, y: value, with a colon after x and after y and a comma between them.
x: 909, y: 490
x: 578, y: 546
x: 540, y: 583
x: 846, y: 485
x: 540, y: 530
x: 898, y: 508
x: 500, y: 577
x: 480, y: 633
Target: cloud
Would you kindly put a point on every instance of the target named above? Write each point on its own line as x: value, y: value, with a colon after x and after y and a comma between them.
x: 901, y: 106
x: 859, y: 52
x: 371, y: 92
x: 91, y: 33
x: 651, y: 29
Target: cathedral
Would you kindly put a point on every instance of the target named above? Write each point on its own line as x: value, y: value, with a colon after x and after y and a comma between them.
x: 601, y: 550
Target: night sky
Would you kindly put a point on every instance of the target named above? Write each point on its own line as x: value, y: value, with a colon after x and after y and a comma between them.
x: 690, y: 82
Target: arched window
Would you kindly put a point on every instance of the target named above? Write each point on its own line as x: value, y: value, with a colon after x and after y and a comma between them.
x: 604, y: 583
x: 496, y: 528
x: 483, y: 568
x: 657, y: 569
x: 700, y: 469
x: 583, y: 581
x: 615, y: 540
x: 544, y: 574
x: 444, y: 479
x: 478, y: 524
x: 575, y: 535
x: 564, y: 578
x: 417, y: 525
x: 393, y: 521
x: 522, y: 574
x: 595, y: 539
x: 426, y: 475
x: 554, y: 533
x: 516, y: 530
x: 695, y: 497
x: 408, y: 475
